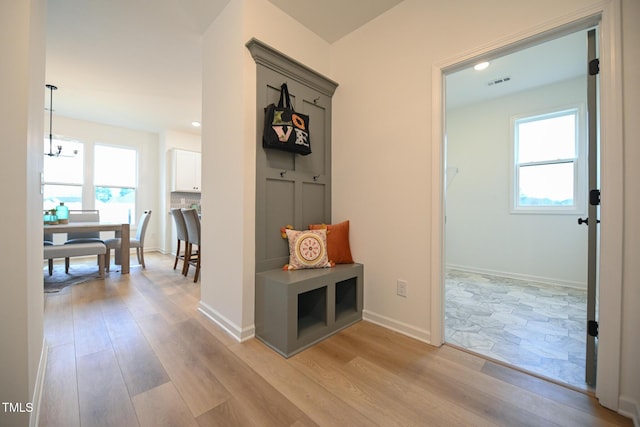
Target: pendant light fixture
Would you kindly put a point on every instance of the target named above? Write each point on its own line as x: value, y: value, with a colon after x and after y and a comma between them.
x: 51, y: 153
x: 58, y: 151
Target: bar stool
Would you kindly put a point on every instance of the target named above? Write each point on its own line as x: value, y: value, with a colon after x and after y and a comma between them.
x: 181, y: 232
x: 192, y: 220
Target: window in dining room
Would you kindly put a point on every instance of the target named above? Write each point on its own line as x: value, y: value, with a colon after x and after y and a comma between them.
x: 115, y: 179
x: 63, y: 175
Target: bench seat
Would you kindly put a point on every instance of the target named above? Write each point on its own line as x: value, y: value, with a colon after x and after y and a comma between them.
x: 76, y: 249
x: 296, y: 309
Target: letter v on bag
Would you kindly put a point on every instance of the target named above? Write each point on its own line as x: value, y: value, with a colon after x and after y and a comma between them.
x: 283, y: 132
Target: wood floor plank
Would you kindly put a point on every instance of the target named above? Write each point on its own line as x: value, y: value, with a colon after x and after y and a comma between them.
x: 139, y: 364
x: 229, y: 413
x: 141, y: 369
x: 323, y: 408
x: 59, y: 406
x: 167, y: 308
x: 104, y: 400
x: 424, y: 404
x: 163, y: 407
x: 581, y: 401
x: 136, y: 303
x: 58, y: 321
x: 316, y: 364
x: 261, y: 399
x: 482, y: 390
x: 199, y: 388
x: 90, y: 332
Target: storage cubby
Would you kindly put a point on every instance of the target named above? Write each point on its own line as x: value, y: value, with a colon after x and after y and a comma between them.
x: 346, y: 298
x: 312, y: 310
x: 296, y: 309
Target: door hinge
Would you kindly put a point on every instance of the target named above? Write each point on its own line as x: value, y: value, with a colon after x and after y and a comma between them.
x: 594, y: 67
x: 592, y: 328
x: 594, y: 197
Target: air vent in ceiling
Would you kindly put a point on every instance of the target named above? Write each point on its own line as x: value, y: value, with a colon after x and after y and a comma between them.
x: 498, y: 81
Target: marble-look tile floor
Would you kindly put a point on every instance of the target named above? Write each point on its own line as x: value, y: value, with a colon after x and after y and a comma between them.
x: 536, y: 327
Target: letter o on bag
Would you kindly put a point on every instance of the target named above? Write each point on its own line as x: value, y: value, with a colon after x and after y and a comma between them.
x: 297, y: 121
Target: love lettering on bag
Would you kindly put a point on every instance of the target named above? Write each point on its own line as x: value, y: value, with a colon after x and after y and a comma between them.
x: 284, y: 128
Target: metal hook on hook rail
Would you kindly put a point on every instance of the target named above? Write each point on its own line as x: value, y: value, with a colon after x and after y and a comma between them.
x: 283, y: 173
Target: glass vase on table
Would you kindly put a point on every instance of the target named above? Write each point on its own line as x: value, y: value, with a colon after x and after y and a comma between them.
x: 50, y: 217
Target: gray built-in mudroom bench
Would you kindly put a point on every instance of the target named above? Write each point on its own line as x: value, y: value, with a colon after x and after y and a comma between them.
x: 296, y: 309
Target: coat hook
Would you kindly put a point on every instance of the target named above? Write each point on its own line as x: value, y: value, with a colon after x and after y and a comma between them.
x: 283, y: 173
x: 315, y: 177
x: 315, y: 101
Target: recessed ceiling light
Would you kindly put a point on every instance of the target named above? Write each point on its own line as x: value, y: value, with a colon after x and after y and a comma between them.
x: 195, y: 124
x: 481, y: 66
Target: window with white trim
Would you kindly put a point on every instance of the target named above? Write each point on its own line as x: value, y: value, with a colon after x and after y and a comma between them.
x: 548, y: 167
x: 92, y: 176
x: 115, y: 177
x: 63, y: 174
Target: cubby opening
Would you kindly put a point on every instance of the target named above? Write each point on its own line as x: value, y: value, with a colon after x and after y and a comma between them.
x: 346, y: 297
x: 312, y: 310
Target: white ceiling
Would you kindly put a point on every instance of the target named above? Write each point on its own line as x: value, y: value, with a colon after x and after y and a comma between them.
x: 130, y: 63
x: 333, y: 19
x: 560, y: 59
x: 137, y: 63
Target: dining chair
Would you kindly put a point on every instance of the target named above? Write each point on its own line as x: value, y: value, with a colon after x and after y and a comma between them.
x: 181, y: 232
x: 85, y: 215
x: 83, y: 236
x: 137, y: 242
x: 192, y: 220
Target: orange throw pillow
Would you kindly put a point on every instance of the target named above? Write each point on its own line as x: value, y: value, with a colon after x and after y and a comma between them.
x: 338, y: 247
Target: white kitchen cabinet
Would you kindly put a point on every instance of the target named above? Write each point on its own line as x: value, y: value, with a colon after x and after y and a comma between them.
x: 186, y: 171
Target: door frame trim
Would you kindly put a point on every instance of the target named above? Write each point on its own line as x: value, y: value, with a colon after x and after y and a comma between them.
x: 606, y: 14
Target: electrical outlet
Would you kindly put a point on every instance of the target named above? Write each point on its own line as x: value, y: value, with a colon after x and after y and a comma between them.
x: 401, y: 288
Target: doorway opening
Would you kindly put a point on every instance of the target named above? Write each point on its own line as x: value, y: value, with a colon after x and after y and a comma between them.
x: 516, y: 259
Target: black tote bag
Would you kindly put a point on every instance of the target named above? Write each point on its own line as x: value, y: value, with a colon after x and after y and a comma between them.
x: 285, y: 129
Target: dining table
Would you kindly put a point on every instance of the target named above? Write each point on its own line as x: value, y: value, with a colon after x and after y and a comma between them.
x: 121, y: 231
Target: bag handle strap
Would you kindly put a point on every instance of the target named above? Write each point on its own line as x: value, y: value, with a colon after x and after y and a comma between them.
x: 284, y: 97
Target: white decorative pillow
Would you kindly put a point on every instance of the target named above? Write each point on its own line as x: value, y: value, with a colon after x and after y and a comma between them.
x: 307, y: 249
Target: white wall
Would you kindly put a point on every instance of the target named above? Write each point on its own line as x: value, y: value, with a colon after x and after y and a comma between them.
x: 382, y: 148
x: 228, y: 150
x: 22, y: 47
x: 481, y: 232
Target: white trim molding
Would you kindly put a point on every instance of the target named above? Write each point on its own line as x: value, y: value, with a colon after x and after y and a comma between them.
x: 606, y: 15
x: 394, y: 325
x: 526, y: 277
x: 231, y: 328
x: 34, y: 417
x: 630, y: 408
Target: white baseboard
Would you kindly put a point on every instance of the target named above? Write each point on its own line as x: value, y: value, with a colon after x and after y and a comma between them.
x: 34, y: 417
x: 232, y: 329
x: 629, y: 408
x: 518, y: 276
x: 400, y: 327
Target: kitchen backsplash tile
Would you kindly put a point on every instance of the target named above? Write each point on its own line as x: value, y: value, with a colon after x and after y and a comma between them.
x: 184, y: 200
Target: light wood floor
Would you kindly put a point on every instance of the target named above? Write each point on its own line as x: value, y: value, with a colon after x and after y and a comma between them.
x: 133, y: 350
